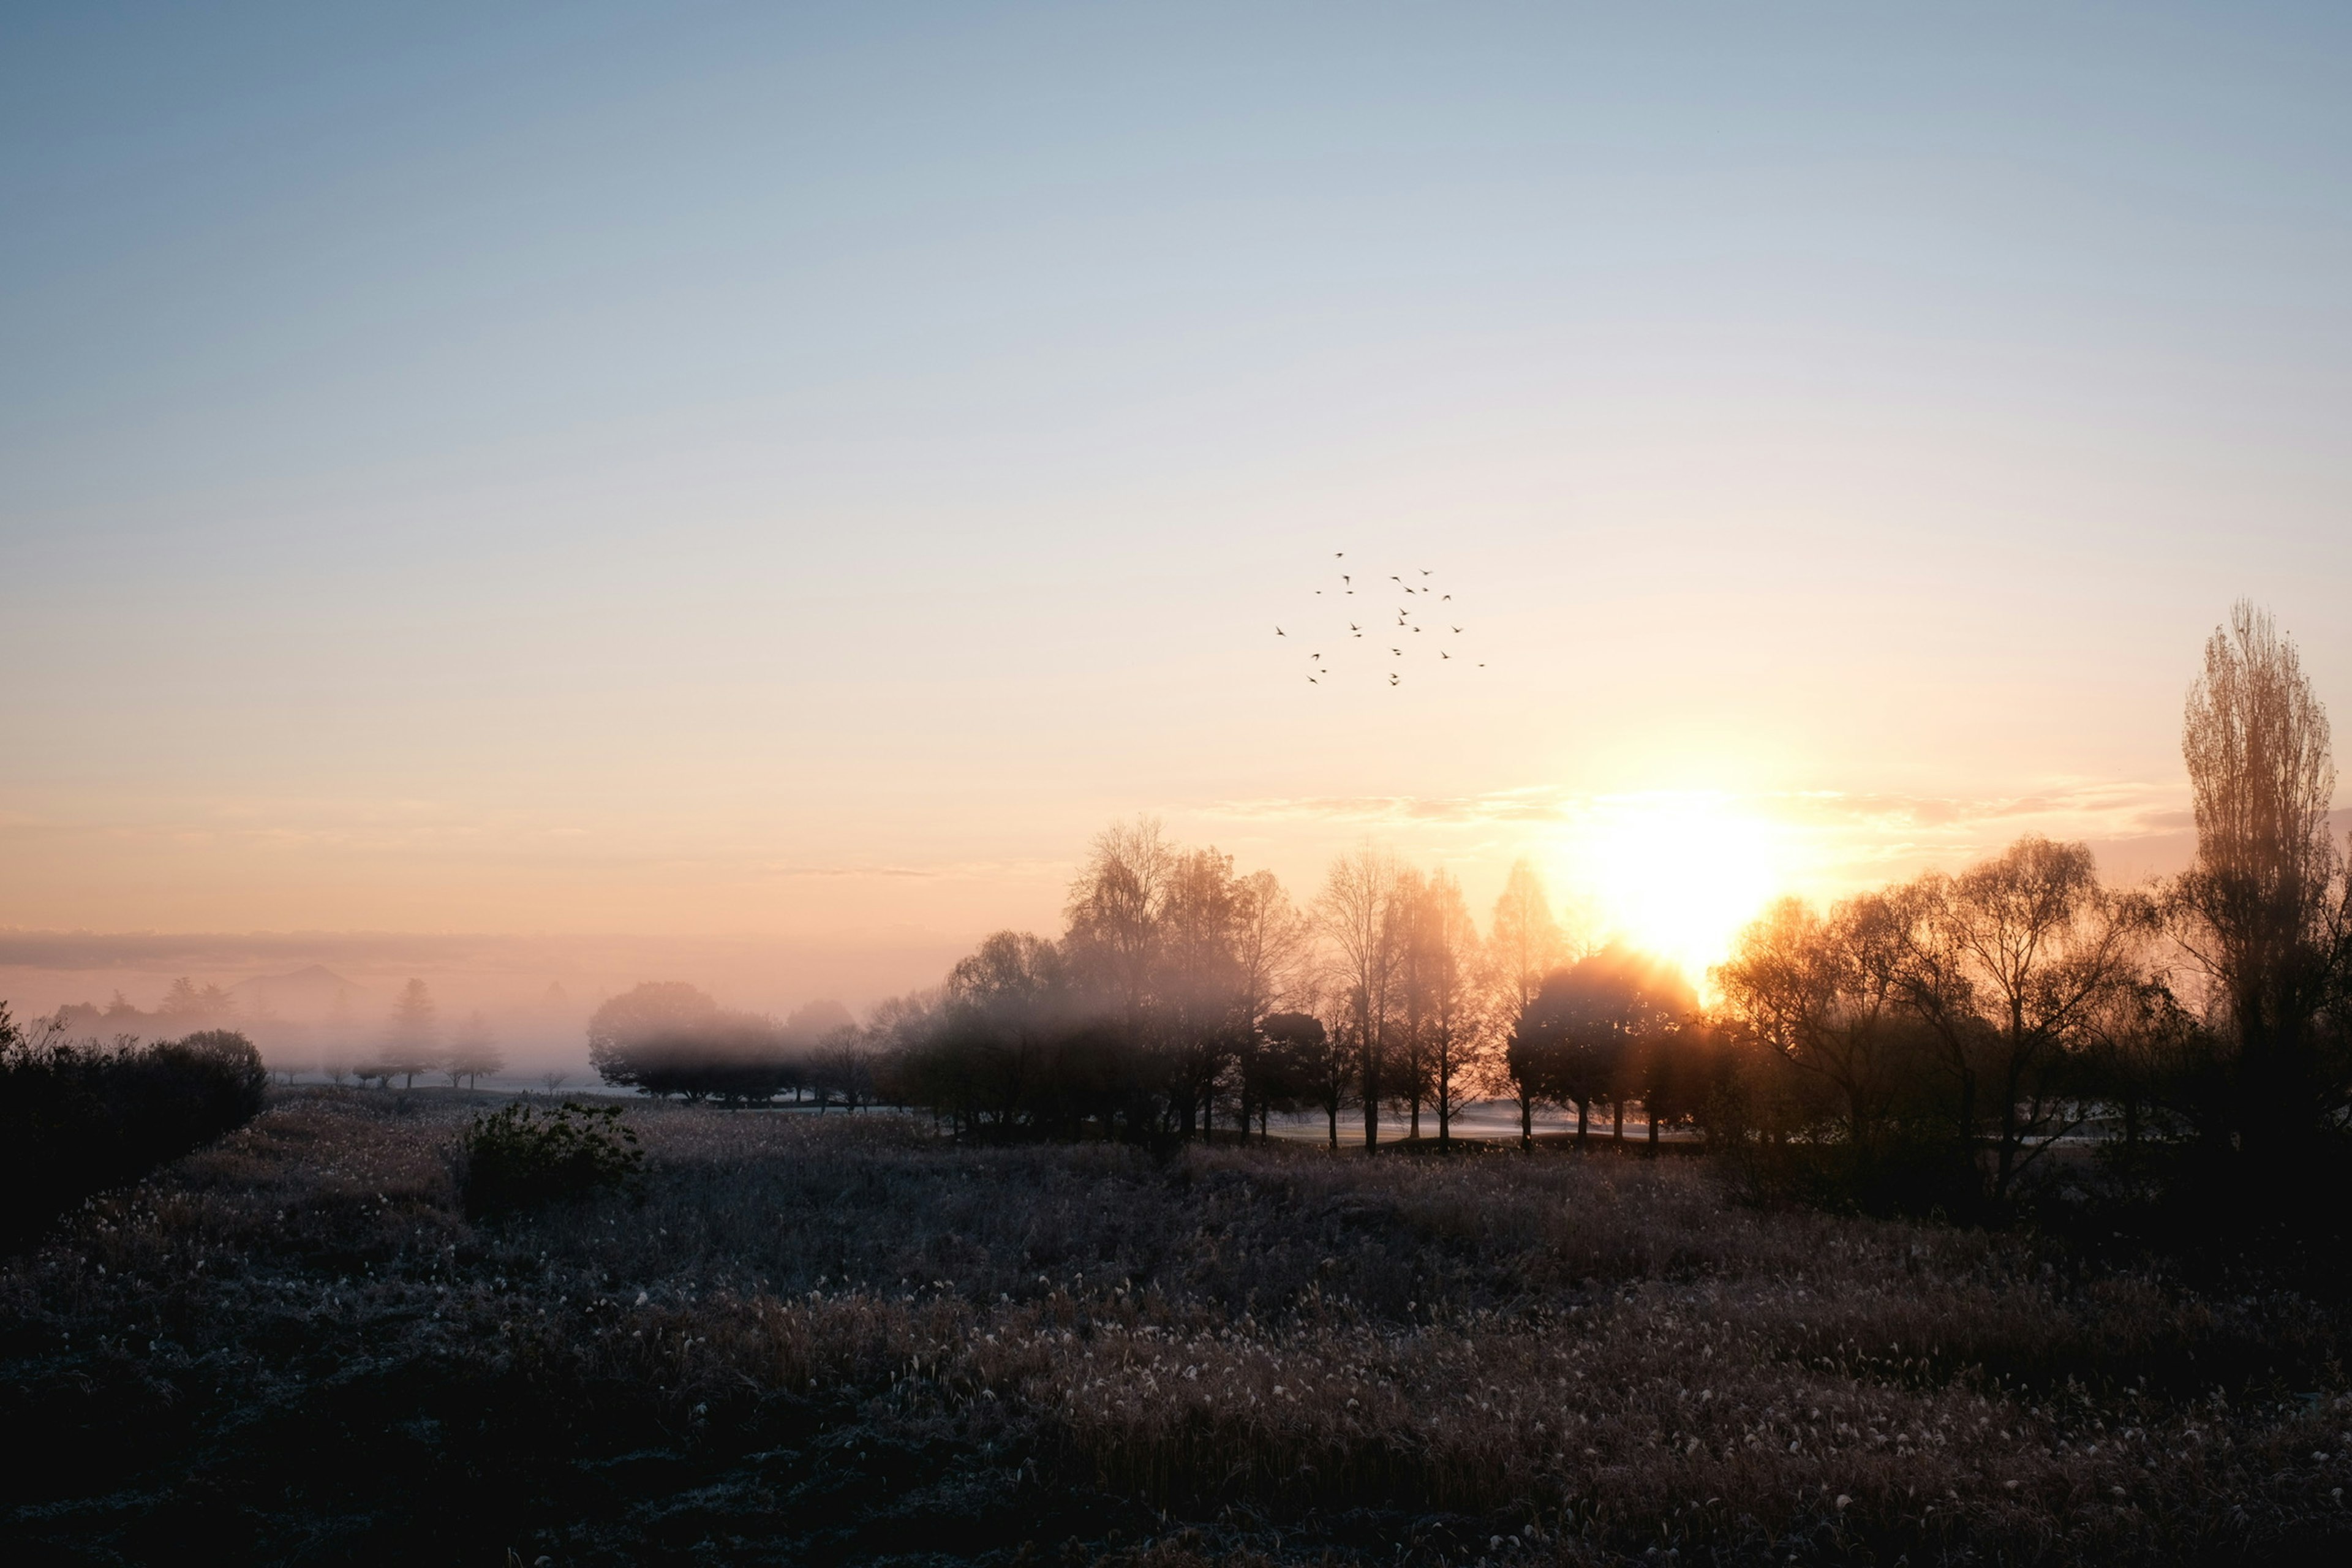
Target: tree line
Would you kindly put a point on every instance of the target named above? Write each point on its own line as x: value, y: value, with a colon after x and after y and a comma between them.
x: 1956, y: 1027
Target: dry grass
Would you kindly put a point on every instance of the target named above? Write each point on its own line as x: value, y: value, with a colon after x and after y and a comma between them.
x: 837, y: 1340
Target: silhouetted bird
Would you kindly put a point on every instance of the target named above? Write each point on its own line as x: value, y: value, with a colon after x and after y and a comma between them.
x: 1280, y: 633
x: 1424, y: 570
x: 1457, y: 628
x: 1392, y: 679
x: 1395, y: 578
x: 1442, y: 654
x: 1445, y: 598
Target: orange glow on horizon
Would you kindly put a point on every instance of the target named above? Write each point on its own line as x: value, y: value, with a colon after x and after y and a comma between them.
x: 1676, y: 874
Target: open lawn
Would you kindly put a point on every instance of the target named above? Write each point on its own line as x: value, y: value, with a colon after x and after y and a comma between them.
x: 838, y: 1338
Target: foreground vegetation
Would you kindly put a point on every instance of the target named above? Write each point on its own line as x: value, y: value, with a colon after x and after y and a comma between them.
x: 77, y: 1117
x: 802, y: 1339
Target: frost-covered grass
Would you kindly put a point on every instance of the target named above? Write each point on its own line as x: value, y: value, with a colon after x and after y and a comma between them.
x: 835, y: 1338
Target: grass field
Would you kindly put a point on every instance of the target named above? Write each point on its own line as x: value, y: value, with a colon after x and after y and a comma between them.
x: 836, y: 1339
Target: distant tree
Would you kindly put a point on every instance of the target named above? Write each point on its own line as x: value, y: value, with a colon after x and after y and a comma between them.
x: 554, y: 1079
x: 1357, y: 912
x: 1455, y: 1023
x: 473, y: 1052
x: 2010, y: 962
x: 2264, y: 909
x: 1525, y: 941
x: 1271, y: 942
x: 1823, y: 995
x: 186, y: 1003
x: 409, y: 1048
x: 666, y: 1037
x: 1586, y: 1025
x: 1310, y: 1065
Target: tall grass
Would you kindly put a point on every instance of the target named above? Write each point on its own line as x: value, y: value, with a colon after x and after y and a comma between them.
x: 842, y: 1333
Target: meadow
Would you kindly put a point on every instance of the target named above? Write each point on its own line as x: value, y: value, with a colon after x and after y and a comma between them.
x: 844, y: 1338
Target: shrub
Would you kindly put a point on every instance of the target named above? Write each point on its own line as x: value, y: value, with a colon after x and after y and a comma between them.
x: 77, y: 1117
x: 518, y: 1158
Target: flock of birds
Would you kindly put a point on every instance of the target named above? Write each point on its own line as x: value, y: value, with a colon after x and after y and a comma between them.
x: 1418, y: 598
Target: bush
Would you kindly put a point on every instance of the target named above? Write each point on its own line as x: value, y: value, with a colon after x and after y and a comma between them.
x: 518, y: 1158
x: 77, y: 1117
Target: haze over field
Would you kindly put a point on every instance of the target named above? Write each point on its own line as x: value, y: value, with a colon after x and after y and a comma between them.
x: 597, y: 494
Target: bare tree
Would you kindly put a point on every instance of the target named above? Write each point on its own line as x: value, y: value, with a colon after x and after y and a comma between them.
x: 1114, y: 912
x: 2026, y: 945
x: 1357, y: 912
x: 1272, y: 941
x: 1524, y: 943
x: 1455, y: 1025
x: 1821, y: 993
x: 2263, y: 908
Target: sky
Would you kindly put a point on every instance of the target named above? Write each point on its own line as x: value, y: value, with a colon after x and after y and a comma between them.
x: 783, y: 478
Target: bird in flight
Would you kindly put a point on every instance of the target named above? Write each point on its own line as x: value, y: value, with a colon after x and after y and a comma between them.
x: 1392, y: 679
x: 1345, y: 578
x: 1280, y: 633
x: 1424, y: 570
x: 1442, y: 654
x: 1457, y: 628
x: 1395, y: 578
x: 1339, y: 554
x: 1398, y: 651
x: 1446, y: 599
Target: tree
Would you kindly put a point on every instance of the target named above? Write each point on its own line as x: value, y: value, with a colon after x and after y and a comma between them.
x: 1357, y: 913
x: 1581, y: 1034
x: 473, y: 1052
x: 1271, y: 943
x: 2263, y: 908
x: 2023, y: 949
x: 668, y: 1038
x: 1313, y: 1065
x: 1455, y: 1025
x: 1524, y: 943
x: 408, y: 1047
x: 1820, y: 992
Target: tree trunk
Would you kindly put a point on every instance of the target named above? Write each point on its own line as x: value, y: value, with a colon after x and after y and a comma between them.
x: 1617, y: 1112
x: 1584, y: 1120
x: 1527, y: 1115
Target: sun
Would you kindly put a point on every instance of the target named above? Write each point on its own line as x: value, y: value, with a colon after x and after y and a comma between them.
x: 1676, y: 874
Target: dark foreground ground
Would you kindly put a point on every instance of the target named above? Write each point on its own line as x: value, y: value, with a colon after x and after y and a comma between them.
x: 836, y: 1340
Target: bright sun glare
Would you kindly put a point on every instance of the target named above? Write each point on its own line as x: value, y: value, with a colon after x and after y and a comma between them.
x: 1674, y: 874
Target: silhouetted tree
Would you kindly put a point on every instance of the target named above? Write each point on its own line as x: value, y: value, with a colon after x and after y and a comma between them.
x: 1823, y: 994
x: 1524, y: 943
x: 2262, y: 909
x: 1357, y: 912
x: 2007, y: 961
x: 1581, y: 1034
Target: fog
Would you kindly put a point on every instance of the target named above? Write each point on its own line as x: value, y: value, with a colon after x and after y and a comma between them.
x: 308, y: 997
